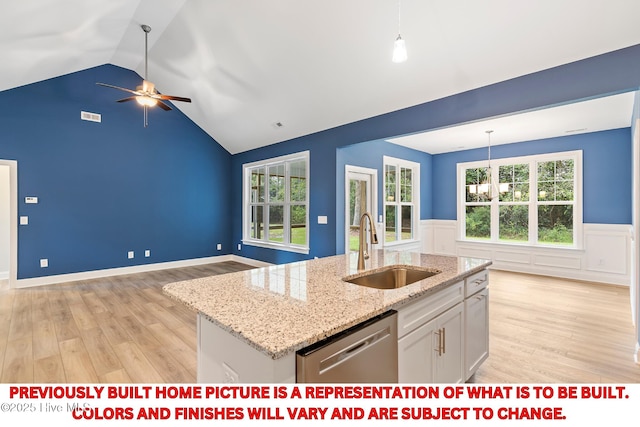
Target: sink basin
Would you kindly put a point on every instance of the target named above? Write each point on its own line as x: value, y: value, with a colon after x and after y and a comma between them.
x: 391, y: 277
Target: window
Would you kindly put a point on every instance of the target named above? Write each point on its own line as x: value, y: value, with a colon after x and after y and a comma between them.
x: 401, y: 200
x: 536, y: 200
x: 276, y: 194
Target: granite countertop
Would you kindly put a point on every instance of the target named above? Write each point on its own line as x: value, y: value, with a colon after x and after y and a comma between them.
x: 283, y: 308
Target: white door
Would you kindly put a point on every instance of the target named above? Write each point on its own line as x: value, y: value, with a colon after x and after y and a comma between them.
x: 476, y: 331
x: 8, y: 222
x: 450, y: 361
x: 360, y: 197
x: 416, y: 355
x: 635, y: 240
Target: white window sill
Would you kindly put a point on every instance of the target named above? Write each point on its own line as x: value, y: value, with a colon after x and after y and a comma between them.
x: 401, y: 243
x: 276, y: 246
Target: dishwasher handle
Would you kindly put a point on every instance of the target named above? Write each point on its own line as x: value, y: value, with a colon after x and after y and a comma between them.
x: 354, y: 349
x: 364, y: 353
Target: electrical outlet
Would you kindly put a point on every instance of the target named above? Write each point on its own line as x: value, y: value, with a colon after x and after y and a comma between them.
x: 44, y: 263
x: 147, y: 253
x: 230, y: 376
x: 24, y: 220
x: 239, y: 247
x: 130, y: 254
x: 219, y: 246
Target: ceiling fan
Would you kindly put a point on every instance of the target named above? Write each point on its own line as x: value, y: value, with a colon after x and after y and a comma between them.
x: 146, y: 94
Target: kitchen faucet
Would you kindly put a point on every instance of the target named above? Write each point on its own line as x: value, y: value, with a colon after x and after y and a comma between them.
x: 363, y: 252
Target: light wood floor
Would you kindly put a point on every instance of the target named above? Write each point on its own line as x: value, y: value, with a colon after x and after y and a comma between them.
x: 119, y: 329
x: 548, y: 330
x: 123, y: 329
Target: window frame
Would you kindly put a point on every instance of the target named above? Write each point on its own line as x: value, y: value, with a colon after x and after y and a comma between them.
x: 415, y: 200
x: 533, y: 202
x: 287, y: 203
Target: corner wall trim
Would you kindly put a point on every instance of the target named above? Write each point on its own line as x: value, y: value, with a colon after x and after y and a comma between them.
x: 96, y: 274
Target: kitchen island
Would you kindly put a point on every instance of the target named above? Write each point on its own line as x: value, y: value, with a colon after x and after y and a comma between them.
x: 251, y: 323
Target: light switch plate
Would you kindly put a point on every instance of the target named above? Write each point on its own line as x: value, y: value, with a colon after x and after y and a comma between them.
x: 24, y: 220
x: 31, y: 199
x: 44, y: 262
x: 322, y: 219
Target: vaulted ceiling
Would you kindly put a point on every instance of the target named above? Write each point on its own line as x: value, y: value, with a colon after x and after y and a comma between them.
x: 308, y: 65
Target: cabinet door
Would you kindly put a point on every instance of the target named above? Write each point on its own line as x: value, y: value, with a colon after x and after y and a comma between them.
x: 450, y: 359
x: 416, y: 353
x: 476, y: 331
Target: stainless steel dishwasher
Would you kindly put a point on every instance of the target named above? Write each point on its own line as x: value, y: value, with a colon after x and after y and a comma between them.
x: 365, y: 353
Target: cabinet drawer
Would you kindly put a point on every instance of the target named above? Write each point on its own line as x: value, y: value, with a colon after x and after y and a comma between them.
x: 426, y: 308
x: 476, y: 282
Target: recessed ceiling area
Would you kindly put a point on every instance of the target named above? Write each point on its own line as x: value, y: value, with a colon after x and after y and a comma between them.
x: 308, y: 65
x: 605, y: 113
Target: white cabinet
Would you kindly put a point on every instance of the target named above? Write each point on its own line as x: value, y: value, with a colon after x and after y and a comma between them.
x: 416, y: 353
x: 431, y: 343
x: 224, y: 358
x: 450, y: 357
x: 444, y: 337
x: 476, y: 330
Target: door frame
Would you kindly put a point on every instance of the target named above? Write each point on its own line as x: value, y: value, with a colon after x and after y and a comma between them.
x: 373, y: 195
x: 13, y: 220
x: 634, y: 286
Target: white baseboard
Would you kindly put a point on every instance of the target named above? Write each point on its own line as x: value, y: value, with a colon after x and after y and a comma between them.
x: 249, y: 261
x: 4, y: 275
x: 96, y: 274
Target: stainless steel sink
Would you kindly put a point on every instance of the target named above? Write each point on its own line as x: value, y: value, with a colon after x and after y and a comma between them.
x: 391, y: 277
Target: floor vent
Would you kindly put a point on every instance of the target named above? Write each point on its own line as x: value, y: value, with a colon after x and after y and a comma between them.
x: 92, y: 117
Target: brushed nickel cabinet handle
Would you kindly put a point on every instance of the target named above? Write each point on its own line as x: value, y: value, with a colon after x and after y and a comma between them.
x: 444, y: 343
x: 439, y: 349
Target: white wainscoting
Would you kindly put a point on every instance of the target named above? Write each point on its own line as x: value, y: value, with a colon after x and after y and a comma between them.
x: 605, y: 257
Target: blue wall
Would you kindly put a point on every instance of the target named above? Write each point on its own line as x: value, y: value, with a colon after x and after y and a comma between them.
x: 108, y: 188
x: 111, y: 187
x: 606, y: 169
x: 325, y: 172
x: 613, y: 72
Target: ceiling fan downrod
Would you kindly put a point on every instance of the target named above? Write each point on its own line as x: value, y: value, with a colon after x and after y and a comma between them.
x: 147, y: 30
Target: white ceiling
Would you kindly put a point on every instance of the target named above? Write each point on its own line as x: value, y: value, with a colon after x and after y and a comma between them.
x: 310, y: 65
x: 609, y: 112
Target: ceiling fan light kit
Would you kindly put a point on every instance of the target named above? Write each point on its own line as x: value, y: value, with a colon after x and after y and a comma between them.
x: 146, y: 94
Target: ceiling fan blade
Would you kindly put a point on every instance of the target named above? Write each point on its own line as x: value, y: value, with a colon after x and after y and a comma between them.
x: 162, y: 105
x: 173, y: 98
x: 118, y: 87
x: 146, y: 94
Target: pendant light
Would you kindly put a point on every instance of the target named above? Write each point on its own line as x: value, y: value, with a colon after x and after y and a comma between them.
x: 399, y: 47
x: 487, y: 187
